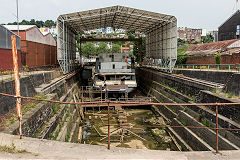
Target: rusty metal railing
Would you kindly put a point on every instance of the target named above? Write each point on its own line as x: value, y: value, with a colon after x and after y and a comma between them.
x: 108, y: 104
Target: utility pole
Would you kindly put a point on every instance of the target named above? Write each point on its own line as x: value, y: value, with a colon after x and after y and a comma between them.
x: 17, y: 17
x: 237, y: 5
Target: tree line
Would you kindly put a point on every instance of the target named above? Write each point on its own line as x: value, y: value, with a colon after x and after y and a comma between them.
x: 47, y: 23
x: 90, y: 49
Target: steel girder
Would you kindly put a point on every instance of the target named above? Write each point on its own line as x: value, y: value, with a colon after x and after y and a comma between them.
x: 160, y: 31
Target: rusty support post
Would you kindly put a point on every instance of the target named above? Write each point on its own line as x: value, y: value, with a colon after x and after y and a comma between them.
x: 17, y: 82
x: 108, y: 126
x: 216, y: 128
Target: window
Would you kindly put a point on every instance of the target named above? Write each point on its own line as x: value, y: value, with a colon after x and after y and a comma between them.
x: 113, y: 66
x: 238, y: 30
x: 238, y: 27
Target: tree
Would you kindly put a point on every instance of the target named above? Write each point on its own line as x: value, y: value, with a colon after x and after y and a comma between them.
x: 131, y: 34
x: 120, y: 43
x: 131, y: 53
x: 116, y: 48
x: 32, y: 22
x: 181, y: 42
x: 102, y: 48
x: 49, y: 23
x: 24, y: 22
x: 88, y: 49
x: 39, y: 24
x: 207, y: 39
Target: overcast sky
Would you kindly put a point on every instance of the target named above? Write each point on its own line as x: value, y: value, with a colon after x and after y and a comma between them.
x: 207, y: 14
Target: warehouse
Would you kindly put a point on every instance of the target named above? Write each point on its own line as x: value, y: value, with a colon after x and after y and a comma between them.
x: 6, y: 49
x: 36, y: 49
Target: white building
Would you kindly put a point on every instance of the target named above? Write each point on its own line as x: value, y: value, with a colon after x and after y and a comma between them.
x: 46, y: 30
x: 204, y: 32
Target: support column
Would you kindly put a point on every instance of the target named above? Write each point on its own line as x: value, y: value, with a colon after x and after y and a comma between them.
x: 140, y: 51
x: 17, y: 83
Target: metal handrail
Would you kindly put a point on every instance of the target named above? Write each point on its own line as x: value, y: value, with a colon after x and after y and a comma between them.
x: 218, y: 66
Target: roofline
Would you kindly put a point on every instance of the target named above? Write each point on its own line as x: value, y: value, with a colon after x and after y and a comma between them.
x: 116, y: 6
x: 229, y: 18
x: 11, y: 31
x: 23, y: 25
x: 211, y: 43
x: 164, y: 18
x: 37, y: 29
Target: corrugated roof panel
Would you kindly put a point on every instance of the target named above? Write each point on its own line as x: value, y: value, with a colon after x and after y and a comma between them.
x: 211, y: 46
x: 118, y: 17
x: 21, y: 27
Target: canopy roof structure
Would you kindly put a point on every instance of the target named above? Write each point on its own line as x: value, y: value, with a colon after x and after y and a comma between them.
x: 160, y: 31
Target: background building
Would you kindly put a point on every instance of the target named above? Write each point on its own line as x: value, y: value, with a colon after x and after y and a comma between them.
x: 46, y: 30
x: 36, y: 49
x: 6, y: 60
x: 215, y: 35
x: 230, y: 29
x: 190, y: 34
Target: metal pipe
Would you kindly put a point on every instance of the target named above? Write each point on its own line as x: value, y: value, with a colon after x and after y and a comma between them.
x: 17, y: 17
x: 216, y: 128
x: 17, y: 82
x: 108, y: 126
x: 113, y: 103
x: 91, y: 104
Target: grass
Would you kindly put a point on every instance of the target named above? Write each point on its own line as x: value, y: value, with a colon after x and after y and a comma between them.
x: 58, y: 131
x: 174, y: 110
x: 55, y: 108
x: 184, y: 122
x: 68, y: 136
x: 67, y: 112
x: 206, y: 123
x: 11, y: 149
x: 229, y: 95
x: 11, y: 116
x: 6, y: 72
x: 215, y: 91
x: 39, y: 131
x: 181, y: 50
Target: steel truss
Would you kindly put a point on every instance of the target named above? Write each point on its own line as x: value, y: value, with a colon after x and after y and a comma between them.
x: 160, y: 31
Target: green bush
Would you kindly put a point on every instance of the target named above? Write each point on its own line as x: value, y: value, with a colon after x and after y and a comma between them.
x: 181, y: 57
x: 218, y: 58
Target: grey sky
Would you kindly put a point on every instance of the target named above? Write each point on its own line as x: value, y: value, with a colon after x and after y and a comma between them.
x: 207, y: 14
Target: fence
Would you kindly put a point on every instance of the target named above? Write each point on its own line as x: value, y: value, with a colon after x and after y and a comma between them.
x: 108, y: 104
x: 227, y: 67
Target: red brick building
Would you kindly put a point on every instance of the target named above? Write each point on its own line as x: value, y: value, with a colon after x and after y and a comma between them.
x: 36, y: 49
x: 204, y: 53
x: 6, y: 60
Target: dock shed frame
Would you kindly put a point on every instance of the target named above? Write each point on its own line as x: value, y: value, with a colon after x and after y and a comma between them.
x: 160, y: 31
